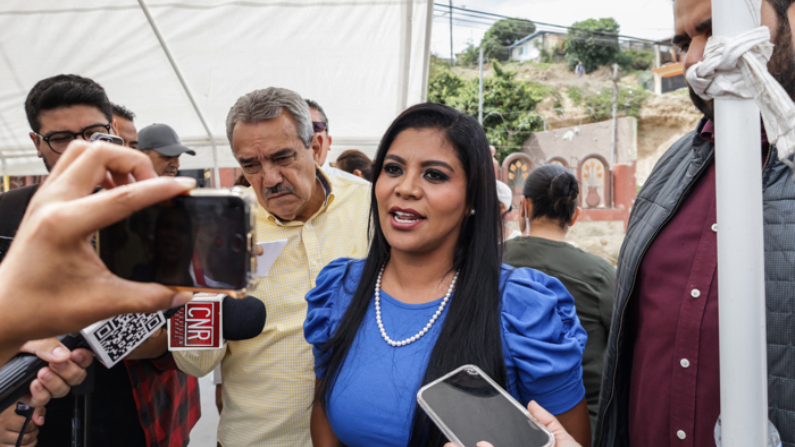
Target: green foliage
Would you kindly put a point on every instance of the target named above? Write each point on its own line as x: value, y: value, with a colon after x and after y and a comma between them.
x: 469, y: 57
x: 594, y: 42
x: 494, y: 51
x: 496, y: 40
x: 509, y: 104
x: 630, y: 100
x: 575, y: 94
x: 444, y: 86
x: 631, y: 59
x: 507, y: 31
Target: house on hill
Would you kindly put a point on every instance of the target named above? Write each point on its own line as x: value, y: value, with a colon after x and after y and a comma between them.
x: 529, y: 48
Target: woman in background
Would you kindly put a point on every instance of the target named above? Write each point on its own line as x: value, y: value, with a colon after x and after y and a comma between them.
x: 356, y: 163
x: 549, y: 208
x: 432, y: 295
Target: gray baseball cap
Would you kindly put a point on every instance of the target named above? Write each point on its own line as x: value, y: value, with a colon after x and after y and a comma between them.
x: 162, y: 139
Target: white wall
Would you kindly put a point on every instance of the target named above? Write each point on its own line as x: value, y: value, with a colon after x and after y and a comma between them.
x: 528, y: 50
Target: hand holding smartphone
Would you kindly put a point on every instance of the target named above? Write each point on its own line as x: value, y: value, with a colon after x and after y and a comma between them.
x: 201, y: 242
x: 469, y: 407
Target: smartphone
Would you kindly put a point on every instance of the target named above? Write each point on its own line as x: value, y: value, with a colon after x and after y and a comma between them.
x: 469, y: 407
x: 108, y: 138
x: 201, y: 242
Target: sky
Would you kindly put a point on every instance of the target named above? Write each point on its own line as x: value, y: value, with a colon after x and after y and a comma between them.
x: 649, y: 19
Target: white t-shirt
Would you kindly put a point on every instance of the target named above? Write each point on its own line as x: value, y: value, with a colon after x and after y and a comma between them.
x: 335, y: 172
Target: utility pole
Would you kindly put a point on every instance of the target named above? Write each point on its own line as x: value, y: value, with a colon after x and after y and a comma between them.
x: 615, y: 112
x: 480, y: 94
x: 451, y: 33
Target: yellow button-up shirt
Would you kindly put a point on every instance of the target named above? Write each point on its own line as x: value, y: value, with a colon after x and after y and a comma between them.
x: 269, y: 380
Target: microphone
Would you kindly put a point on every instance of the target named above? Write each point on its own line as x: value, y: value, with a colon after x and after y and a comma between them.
x: 208, y: 321
x: 243, y: 318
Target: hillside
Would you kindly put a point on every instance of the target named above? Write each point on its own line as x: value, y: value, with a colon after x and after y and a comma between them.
x: 662, y: 119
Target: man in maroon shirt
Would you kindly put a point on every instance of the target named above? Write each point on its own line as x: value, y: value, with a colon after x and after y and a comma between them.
x: 662, y: 377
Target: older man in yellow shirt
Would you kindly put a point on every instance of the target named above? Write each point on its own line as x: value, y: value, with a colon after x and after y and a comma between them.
x: 269, y: 380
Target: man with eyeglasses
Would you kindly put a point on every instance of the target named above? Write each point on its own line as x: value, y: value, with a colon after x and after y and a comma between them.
x: 320, y: 126
x: 140, y: 402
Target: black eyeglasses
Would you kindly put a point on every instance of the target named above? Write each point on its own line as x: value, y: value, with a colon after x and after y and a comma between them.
x: 58, y: 141
x: 319, y: 126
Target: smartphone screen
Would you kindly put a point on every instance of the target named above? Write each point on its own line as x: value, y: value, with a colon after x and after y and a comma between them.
x: 466, y: 405
x: 195, y: 242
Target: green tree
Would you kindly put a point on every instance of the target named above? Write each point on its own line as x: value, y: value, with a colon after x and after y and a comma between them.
x: 443, y: 84
x: 469, y: 57
x: 632, y: 59
x: 502, y: 34
x: 594, y: 42
x: 509, y: 105
x: 507, y: 31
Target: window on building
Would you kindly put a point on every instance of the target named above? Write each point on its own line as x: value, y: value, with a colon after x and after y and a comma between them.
x: 521, y: 50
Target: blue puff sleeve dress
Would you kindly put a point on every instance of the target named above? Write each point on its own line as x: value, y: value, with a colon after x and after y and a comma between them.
x: 374, y: 398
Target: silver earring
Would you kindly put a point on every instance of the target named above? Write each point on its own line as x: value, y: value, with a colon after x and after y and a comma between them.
x: 472, y: 212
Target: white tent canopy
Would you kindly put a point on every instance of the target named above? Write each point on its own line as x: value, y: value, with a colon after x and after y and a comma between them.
x: 363, y: 60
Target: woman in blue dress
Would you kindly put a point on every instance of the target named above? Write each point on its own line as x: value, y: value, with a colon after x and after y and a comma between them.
x: 432, y: 295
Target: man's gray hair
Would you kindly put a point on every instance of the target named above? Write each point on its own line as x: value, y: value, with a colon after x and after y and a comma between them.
x: 269, y: 103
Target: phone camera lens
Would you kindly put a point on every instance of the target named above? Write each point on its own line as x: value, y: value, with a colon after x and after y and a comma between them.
x: 238, y: 243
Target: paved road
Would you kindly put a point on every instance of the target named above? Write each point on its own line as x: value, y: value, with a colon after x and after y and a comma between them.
x: 203, y: 434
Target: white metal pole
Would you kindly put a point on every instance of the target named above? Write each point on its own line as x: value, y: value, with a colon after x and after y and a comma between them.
x: 451, y: 33
x: 178, y: 72
x: 615, y: 116
x: 426, y: 58
x: 480, y: 94
x: 406, y: 17
x: 743, y: 347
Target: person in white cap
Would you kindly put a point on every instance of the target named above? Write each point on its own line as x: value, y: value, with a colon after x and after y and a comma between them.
x: 162, y: 145
x: 505, y: 196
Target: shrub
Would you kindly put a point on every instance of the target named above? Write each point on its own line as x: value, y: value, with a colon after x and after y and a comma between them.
x: 594, y: 42
x: 632, y: 59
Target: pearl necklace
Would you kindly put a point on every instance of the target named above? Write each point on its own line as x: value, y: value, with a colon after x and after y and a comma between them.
x: 427, y: 326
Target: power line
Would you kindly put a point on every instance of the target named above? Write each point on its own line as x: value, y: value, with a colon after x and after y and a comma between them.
x: 500, y: 16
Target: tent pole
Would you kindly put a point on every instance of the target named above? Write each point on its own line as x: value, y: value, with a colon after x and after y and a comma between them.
x: 406, y: 16
x: 178, y: 72
x: 741, y: 263
x: 426, y: 57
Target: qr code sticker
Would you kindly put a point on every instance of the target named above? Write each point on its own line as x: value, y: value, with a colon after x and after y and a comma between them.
x: 122, y: 333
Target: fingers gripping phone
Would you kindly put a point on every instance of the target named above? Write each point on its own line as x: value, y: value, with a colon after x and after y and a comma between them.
x: 202, y: 242
x: 469, y: 407
x: 108, y: 138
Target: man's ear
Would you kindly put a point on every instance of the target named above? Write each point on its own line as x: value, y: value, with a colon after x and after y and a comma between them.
x: 317, y: 149
x: 115, y: 126
x: 37, y: 142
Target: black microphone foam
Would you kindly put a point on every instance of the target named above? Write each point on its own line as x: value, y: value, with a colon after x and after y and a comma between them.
x: 244, y: 318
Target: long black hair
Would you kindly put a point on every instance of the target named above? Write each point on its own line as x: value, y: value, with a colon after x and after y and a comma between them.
x: 553, y: 191
x: 470, y: 333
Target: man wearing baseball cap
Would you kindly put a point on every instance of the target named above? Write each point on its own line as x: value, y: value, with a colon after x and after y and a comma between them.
x: 162, y: 145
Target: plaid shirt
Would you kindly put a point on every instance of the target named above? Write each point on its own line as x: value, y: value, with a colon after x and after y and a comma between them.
x: 167, y: 400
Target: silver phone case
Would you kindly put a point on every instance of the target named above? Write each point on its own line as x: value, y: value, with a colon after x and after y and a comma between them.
x: 446, y: 430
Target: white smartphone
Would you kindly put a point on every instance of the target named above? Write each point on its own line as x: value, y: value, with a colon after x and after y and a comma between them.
x: 469, y: 407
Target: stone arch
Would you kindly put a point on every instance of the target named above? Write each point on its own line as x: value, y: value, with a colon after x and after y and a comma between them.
x: 594, y: 175
x: 557, y: 160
